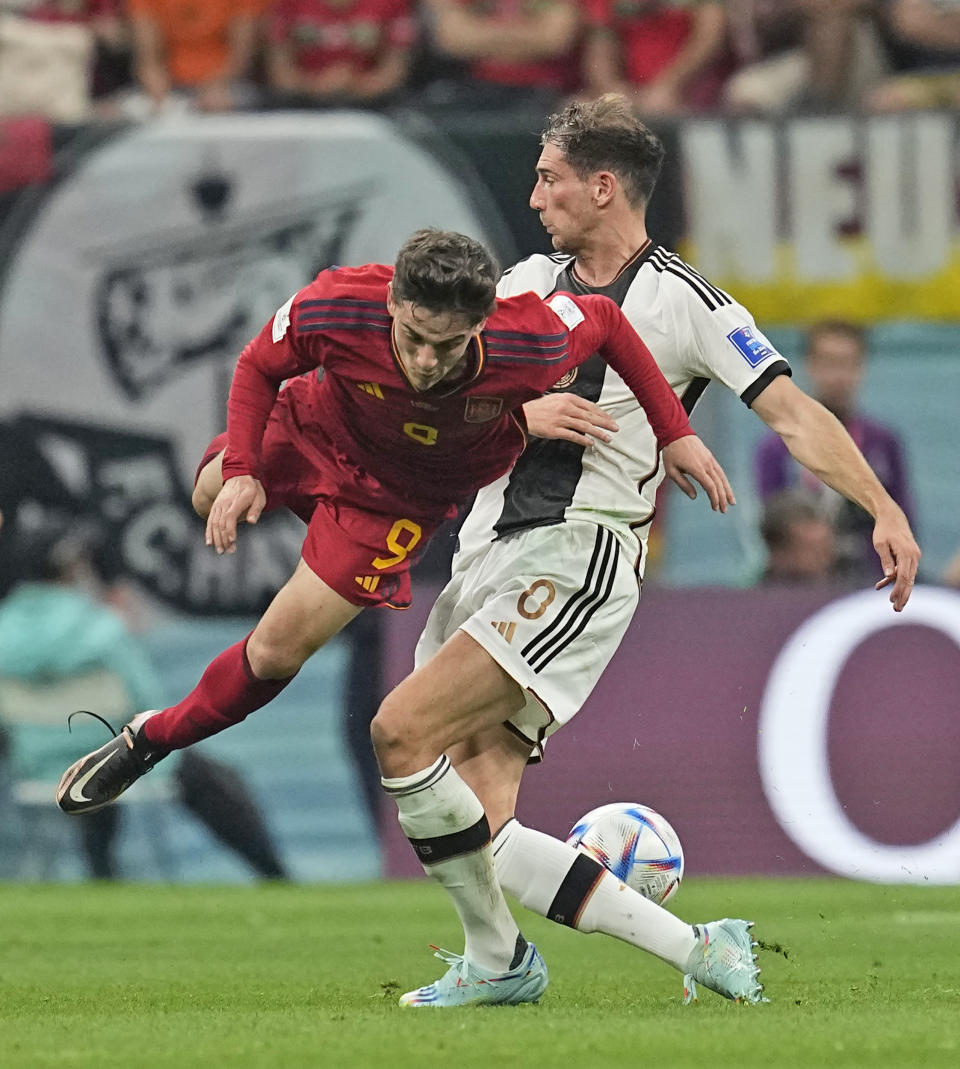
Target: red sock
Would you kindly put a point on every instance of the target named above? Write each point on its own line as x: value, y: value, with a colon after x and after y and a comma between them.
x: 227, y: 693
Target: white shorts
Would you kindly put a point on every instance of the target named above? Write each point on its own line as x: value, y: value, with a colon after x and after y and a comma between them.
x: 550, y: 605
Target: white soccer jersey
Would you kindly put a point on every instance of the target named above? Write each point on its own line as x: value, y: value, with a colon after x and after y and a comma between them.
x: 695, y: 332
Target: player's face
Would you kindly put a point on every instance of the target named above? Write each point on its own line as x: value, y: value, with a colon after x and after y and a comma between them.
x: 564, y: 201
x: 431, y: 345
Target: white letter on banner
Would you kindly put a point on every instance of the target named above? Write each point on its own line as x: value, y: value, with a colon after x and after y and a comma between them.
x: 910, y: 194
x: 821, y: 199
x: 732, y: 197
x: 792, y: 741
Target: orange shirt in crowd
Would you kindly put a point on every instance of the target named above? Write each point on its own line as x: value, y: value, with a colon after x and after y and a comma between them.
x: 195, y: 33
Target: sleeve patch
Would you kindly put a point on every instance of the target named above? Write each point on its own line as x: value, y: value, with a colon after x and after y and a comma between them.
x: 281, y: 321
x: 752, y: 345
x: 568, y: 311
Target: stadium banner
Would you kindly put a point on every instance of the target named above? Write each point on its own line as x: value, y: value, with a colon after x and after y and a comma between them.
x: 846, y: 217
x: 780, y: 732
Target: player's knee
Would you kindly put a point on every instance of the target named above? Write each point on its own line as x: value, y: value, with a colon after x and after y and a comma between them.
x: 202, y: 502
x: 394, y: 734
x: 270, y: 658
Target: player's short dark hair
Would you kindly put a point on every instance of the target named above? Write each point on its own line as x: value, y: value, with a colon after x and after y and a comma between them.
x: 605, y: 135
x: 783, y: 511
x: 444, y: 271
x: 853, y: 331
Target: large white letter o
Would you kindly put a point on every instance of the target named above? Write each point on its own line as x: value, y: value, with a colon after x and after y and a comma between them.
x: 792, y: 742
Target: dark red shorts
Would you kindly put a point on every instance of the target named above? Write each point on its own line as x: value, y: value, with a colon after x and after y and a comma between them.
x: 364, y: 554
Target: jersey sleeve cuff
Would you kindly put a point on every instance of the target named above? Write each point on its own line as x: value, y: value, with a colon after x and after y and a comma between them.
x: 759, y: 384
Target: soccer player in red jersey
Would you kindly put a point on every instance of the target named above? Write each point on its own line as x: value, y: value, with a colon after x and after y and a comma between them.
x: 418, y: 405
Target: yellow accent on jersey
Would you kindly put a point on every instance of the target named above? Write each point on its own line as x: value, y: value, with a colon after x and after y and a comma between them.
x: 371, y: 388
x: 368, y: 582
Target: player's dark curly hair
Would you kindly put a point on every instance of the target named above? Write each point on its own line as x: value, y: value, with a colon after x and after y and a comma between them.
x: 605, y: 135
x: 443, y: 271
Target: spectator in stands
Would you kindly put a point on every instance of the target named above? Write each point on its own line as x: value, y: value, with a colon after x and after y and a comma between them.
x: 799, y: 54
x: 665, y: 57
x: 513, y: 51
x: 835, y: 361
x: 59, y: 54
x: 339, y: 51
x: 799, y: 538
x: 55, y: 627
x: 192, y: 55
x: 923, y: 40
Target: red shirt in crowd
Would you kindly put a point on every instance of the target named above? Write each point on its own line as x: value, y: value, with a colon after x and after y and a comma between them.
x: 321, y: 33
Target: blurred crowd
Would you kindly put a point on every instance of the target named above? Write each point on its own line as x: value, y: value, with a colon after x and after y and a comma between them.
x: 75, y: 59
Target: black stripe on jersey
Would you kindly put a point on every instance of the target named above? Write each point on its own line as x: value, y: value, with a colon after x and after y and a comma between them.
x: 721, y: 296
x: 342, y: 324
x: 580, y: 608
x: 341, y: 302
x: 712, y: 297
x: 514, y: 357
x: 532, y: 339
x: 774, y: 371
x: 326, y: 315
x: 699, y: 290
x: 693, y: 393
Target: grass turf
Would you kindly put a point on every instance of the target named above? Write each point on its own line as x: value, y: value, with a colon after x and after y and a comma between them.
x: 288, y: 976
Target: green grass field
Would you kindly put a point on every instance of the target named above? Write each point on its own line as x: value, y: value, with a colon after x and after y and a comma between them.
x: 290, y: 976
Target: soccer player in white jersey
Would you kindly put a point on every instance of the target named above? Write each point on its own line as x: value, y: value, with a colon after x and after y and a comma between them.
x: 546, y: 578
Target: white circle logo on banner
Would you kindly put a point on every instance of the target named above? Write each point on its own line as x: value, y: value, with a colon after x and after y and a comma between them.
x: 793, y: 733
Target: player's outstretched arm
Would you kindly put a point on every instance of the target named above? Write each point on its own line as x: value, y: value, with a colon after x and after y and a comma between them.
x: 241, y: 498
x: 819, y: 441
x: 567, y: 416
x: 688, y: 458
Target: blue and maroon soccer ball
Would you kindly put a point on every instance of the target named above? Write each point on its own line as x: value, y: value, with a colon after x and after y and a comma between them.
x: 636, y: 844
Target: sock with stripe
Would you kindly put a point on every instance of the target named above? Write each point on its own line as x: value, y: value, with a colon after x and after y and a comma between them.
x: 446, y: 826
x: 227, y: 693
x: 564, y: 885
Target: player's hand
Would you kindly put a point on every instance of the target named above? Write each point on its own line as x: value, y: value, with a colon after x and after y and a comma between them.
x: 240, y: 498
x: 567, y: 416
x: 689, y: 456
x: 899, y: 555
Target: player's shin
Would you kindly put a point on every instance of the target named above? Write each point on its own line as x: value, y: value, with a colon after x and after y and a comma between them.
x: 560, y: 883
x: 446, y: 825
x: 227, y: 693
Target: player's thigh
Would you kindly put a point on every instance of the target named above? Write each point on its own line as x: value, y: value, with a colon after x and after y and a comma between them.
x: 459, y: 692
x: 304, y: 614
x: 492, y: 764
x: 551, y: 606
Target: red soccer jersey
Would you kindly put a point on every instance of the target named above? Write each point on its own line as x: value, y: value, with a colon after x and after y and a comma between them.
x: 320, y: 35
x: 394, y: 448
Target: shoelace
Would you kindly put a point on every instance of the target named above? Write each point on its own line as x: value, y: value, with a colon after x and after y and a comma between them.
x: 96, y: 716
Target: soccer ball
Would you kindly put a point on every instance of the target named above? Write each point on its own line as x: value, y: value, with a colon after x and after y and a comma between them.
x: 636, y: 844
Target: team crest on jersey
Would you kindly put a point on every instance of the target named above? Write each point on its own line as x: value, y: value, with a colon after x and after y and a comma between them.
x: 567, y: 380
x: 482, y: 409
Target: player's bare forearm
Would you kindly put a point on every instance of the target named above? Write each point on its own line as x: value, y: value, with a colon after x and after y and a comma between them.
x: 818, y: 441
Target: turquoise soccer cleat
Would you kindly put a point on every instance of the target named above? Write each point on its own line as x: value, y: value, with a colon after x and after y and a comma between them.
x: 464, y: 984
x: 724, y: 961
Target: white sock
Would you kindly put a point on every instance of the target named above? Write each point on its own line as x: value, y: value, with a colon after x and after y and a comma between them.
x: 446, y: 825
x: 559, y: 882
